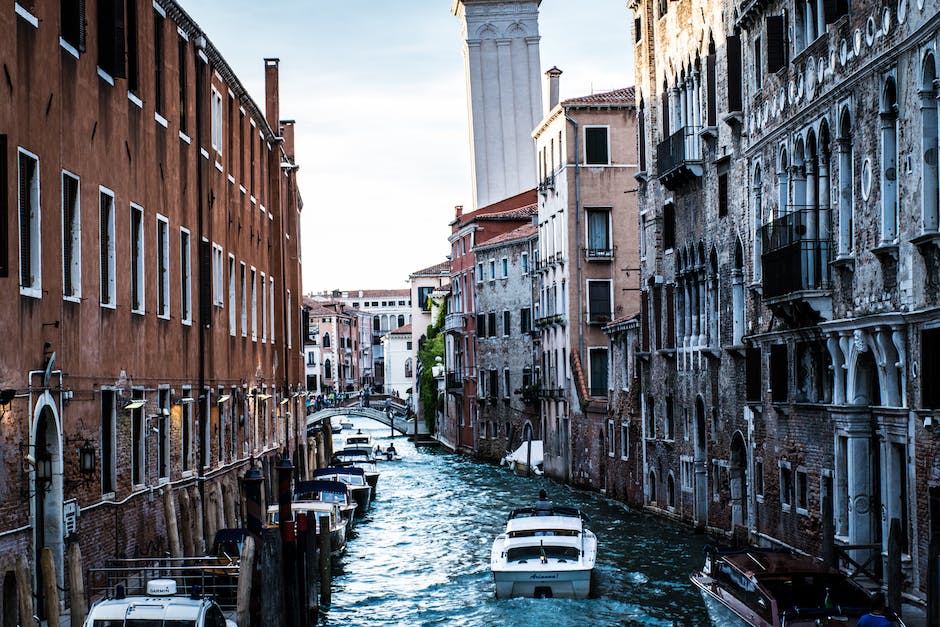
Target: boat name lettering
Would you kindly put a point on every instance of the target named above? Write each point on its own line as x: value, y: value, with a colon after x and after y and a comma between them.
x: 538, y: 576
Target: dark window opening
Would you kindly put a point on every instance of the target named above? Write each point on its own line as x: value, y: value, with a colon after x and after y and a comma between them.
x: 758, y: 71
x: 491, y: 324
x: 525, y: 320
x: 779, y: 375
x: 595, y: 146
x: 722, y: 194
x: 72, y: 14
x: 735, y: 95
x: 133, y: 78
x: 481, y: 325
x: 4, y: 208
x: 752, y: 374
x: 599, y: 301
x: 182, y: 84
x: 776, y: 43
x: 598, y: 358
x: 158, y: 62
x: 930, y: 368
x: 669, y: 226
x: 111, y: 37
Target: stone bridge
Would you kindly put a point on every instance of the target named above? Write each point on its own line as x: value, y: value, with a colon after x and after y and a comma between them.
x: 398, y: 421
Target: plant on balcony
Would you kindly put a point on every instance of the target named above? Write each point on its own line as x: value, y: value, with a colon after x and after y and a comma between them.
x: 428, y: 352
x: 529, y: 393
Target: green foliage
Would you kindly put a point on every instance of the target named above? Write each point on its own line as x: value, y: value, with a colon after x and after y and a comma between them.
x: 432, y: 348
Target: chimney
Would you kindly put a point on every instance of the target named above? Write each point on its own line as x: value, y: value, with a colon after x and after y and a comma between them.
x: 552, y: 91
x: 287, y: 132
x: 272, y: 104
x: 458, y: 211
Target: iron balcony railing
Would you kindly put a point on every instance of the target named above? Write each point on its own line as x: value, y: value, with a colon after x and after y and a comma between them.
x: 598, y: 254
x: 681, y: 148
x: 454, y: 380
x: 796, y: 251
x: 454, y: 322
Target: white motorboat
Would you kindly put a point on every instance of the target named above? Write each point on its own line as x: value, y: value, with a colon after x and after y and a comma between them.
x: 355, y: 481
x: 359, y: 458
x: 358, y: 440
x: 330, y: 491
x: 314, y: 509
x: 544, y: 553
x: 346, y: 423
x: 159, y: 605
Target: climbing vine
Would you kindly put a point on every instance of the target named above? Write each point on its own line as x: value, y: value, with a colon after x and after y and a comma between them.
x: 432, y: 348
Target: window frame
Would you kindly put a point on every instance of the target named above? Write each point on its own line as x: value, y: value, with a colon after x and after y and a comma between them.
x: 592, y: 387
x: 163, y: 254
x: 138, y: 261
x: 34, y: 289
x: 111, y: 256
x: 218, y: 296
x: 215, y: 113
x: 72, y: 263
x: 592, y: 315
x: 590, y: 251
x: 186, y: 277
x: 594, y: 127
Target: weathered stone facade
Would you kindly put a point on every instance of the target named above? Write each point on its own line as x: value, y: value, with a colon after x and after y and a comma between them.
x: 507, y: 412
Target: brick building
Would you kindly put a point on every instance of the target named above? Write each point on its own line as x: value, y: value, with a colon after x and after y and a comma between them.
x: 586, y: 270
x: 507, y: 407
x: 790, y: 303
x: 149, y: 254
x: 333, y: 338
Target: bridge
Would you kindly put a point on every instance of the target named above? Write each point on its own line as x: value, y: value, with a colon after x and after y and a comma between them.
x: 398, y: 421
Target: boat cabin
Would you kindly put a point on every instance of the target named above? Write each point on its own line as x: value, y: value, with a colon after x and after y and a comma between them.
x: 158, y: 607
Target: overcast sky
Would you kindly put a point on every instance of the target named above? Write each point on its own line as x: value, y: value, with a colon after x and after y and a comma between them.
x: 377, y: 90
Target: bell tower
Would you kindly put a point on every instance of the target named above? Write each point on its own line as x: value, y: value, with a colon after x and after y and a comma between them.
x: 504, y: 94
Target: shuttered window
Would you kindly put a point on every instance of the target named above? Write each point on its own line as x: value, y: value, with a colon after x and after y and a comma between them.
x: 598, y: 371
x: 595, y: 145
x: 186, y: 278
x: 158, y: 62
x: 72, y: 16
x: 137, y: 258
x: 711, y: 92
x: 599, y: 305
x: 930, y: 368
x: 111, y: 37
x: 106, y: 257
x: 491, y: 324
x: 733, y: 50
x: 669, y: 340
x: 28, y: 198
x: 4, y: 209
x: 644, y: 321
x: 776, y: 43
x: 481, y: 325
x: 71, y: 237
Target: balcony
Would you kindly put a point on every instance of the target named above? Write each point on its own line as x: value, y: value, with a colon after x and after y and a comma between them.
x: 599, y: 317
x: 454, y: 322
x: 551, y: 393
x: 548, y: 183
x: 454, y: 382
x: 679, y: 158
x: 598, y: 254
x: 551, y: 320
x: 795, y: 260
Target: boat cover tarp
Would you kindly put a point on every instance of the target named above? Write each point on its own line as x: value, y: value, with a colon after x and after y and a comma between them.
x: 521, y: 454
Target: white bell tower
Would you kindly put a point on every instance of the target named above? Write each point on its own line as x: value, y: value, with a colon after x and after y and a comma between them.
x: 504, y: 94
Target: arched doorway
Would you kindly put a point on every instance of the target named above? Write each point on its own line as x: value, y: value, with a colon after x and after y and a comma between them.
x: 46, y: 492
x: 701, y: 465
x: 738, y: 480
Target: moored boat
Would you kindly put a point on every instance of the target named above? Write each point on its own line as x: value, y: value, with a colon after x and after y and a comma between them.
x: 160, y: 605
x: 778, y: 588
x: 328, y: 491
x: 313, y: 509
x: 354, y: 479
x: 359, y: 458
x: 545, y: 552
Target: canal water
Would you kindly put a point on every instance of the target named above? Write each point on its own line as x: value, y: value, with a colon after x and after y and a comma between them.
x: 421, y: 554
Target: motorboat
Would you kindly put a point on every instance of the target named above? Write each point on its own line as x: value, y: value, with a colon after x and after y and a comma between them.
x: 314, y: 509
x: 778, y: 588
x: 346, y: 423
x: 527, y: 459
x: 355, y: 481
x: 544, y: 553
x: 159, y: 605
x: 359, y: 458
x: 358, y: 440
x: 330, y: 492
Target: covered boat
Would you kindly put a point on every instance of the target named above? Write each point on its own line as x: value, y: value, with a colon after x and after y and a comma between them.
x: 355, y: 481
x: 313, y: 509
x: 527, y: 458
x: 363, y: 458
x: 544, y: 553
x: 329, y: 492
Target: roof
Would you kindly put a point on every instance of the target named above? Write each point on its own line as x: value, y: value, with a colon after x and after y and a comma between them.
x: 402, y: 330
x: 330, y: 294
x: 523, y: 232
x: 522, y: 199
x: 442, y: 268
x: 625, y: 96
x: 519, y: 213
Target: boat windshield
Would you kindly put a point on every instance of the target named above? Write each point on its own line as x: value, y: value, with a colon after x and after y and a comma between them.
x: 524, y: 533
x: 523, y: 553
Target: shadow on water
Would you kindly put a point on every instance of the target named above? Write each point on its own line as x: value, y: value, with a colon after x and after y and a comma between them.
x: 421, y: 554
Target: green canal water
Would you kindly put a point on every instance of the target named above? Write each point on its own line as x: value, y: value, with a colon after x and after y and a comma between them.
x: 421, y: 554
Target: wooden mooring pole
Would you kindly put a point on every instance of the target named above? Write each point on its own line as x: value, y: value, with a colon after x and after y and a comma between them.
x: 77, y: 609
x: 326, y: 575
x: 50, y: 593
x: 246, y: 569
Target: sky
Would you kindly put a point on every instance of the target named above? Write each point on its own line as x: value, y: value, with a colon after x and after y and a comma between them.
x: 378, y: 94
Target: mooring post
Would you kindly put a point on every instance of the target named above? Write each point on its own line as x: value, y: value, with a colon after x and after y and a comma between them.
x: 271, y: 597
x: 76, y: 585
x: 309, y: 549
x: 828, y: 532
x: 50, y: 592
x: 893, y: 569
x: 253, y: 512
x: 326, y: 576
x: 246, y: 569
x: 285, y: 469
x: 528, y: 458
x: 300, y: 579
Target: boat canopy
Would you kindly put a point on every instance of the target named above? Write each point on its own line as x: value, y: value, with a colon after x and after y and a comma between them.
x: 521, y: 455
x: 319, y: 486
x: 338, y: 470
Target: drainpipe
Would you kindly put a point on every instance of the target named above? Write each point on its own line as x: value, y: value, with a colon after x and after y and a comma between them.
x: 577, y: 231
x: 204, y: 269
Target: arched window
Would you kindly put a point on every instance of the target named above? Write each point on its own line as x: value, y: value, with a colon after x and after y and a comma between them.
x: 759, y: 222
x: 889, y: 163
x: 652, y: 486
x: 845, y: 185
x: 783, y: 183
x: 665, y: 109
x: 671, y: 491
x: 713, y: 296
x: 401, y: 320
x: 376, y: 324
x: 929, y: 180
x: 737, y: 295
x: 326, y: 340
x: 327, y: 369
x: 408, y: 368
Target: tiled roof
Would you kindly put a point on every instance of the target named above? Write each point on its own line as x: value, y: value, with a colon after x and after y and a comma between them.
x: 522, y: 199
x: 519, y: 213
x: 441, y: 268
x: 404, y: 330
x: 523, y: 232
x: 623, y: 96
x: 365, y: 293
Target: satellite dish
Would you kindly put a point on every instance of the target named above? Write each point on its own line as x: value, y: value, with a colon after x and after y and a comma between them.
x: 48, y: 373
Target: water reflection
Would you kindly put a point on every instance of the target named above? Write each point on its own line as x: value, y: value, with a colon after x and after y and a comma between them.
x: 421, y: 554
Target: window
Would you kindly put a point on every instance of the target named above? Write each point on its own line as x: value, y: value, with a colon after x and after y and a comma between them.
x: 507, y: 383
x: 217, y: 292
x: 186, y: 278
x: 424, y: 293
x: 492, y: 269
x: 401, y: 321
x: 232, y: 320
x: 778, y: 373
x: 186, y: 437
x: 669, y: 226
x: 254, y: 304
x: 786, y: 485
x: 670, y: 491
x: 289, y: 332
x: 649, y: 408
x: 133, y: 75
x: 72, y: 15
x: 243, y: 284
x: 596, y: 150
x: 106, y: 256
x: 271, y: 293
x: 525, y: 320
x: 108, y: 441
x: 111, y: 37
x: 758, y: 72
x: 759, y: 478
x: 599, y: 301
x: 137, y: 258
x: 889, y: 163
x: 686, y: 473
x: 216, y: 122
x: 181, y: 75
x: 492, y: 388
x: 71, y: 237
x: 481, y: 325
x: 311, y: 359
x: 610, y: 438
x: 930, y: 368
x: 163, y: 434
x: 802, y: 487
x: 776, y: 43
x: 670, y: 420
x: 504, y: 262
x: 524, y: 263
x: 723, y: 190
x: 157, y: 62
x: 491, y: 324
x: 506, y: 323
x: 734, y: 78
x: 264, y: 308
x: 163, y: 267
x: 138, y: 441
x: 598, y: 373
x: 624, y: 440
x: 480, y: 272
x: 598, y: 233
x: 29, y: 209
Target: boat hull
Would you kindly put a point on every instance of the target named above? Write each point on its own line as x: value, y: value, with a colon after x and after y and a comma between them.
x: 363, y: 497
x: 566, y: 584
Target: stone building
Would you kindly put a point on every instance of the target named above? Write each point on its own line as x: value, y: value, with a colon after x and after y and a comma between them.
x: 147, y: 207
x: 333, y: 334
x: 399, y: 362
x: 507, y: 407
x: 467, y: 232
x: 586, y: 270
x: 790, y: 272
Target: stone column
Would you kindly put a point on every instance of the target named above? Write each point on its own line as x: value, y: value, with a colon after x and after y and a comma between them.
x: 808, y: 219
x: 696, y: 100
x: 845, y: 196
x: 702, y: 310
